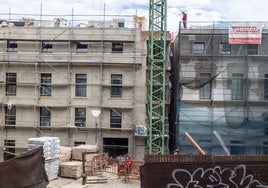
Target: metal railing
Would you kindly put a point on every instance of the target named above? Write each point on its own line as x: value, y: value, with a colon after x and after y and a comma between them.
x: 68, y: 20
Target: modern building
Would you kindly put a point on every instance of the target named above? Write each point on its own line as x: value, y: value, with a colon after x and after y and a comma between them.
x: 85, y: 84
x: 222, y: 88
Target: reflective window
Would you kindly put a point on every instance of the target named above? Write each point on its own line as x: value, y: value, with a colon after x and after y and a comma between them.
x: 81, y: 85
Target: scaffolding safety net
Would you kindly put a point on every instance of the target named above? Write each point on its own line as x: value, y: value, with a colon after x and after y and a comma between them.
x: 222, y: 91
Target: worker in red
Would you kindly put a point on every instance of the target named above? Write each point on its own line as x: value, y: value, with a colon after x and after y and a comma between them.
x: 129, y: 164
x: 184, y: 19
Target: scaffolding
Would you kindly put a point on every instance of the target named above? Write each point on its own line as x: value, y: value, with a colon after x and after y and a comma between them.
x: 222, y: 90
x: 46, y: 56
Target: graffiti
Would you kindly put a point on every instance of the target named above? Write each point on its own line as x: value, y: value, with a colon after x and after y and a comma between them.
x: 216, y: 177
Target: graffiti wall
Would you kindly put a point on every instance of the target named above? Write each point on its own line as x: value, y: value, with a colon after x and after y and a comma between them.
x: 199, y: 171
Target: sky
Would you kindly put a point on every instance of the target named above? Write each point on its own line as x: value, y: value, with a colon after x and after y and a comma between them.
x: 197, y: 10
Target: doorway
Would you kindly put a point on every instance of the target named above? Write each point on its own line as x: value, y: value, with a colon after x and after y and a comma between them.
x: 115, y: 146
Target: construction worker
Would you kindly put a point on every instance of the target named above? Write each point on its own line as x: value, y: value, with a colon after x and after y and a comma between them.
x: 129, y: 164
x: 184, y: 19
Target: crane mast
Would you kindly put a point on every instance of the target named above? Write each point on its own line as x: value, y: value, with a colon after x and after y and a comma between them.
x: 156, y: 77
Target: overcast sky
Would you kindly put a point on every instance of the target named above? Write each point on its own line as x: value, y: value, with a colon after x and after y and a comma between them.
x: 197, y: 10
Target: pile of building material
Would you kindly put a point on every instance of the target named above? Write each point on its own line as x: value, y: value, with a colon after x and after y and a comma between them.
x: 71, y: 169
x: 51, y: 150
x: 63, y: 161
x: 51, y: 146
x: 52, y: 168
x: 78, y: 151
x: 65, y: 154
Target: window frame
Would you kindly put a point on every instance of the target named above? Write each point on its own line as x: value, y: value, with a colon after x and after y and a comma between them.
x: 46, y: 46
x: 117, y: 47
x: 45, y: 117
x: 225, y: 48
x: 78, y: 143
x: 12, y: 46
x: 116, y: 85
x: 116, y: 118
x: 252, y: 49
x: 82, y: 47
x: 265, y: 148
x: 45, y: 84
x: 265, y: 87
x: 80, y: 85
x: 197, y: 48
x: 237, y: 86
x: 10, y: 117
x: 206, y: 143
x: 237, y: 147
x: 11, y: 83
x: 80, y: 117
x: 205, y: 91
x: 11, y: 143
x: 266, y: 131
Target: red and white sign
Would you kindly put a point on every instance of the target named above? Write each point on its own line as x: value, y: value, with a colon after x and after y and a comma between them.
x: 245, y: 33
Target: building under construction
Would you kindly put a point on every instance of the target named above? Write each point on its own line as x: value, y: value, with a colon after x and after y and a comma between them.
x: 82, y: 81
x: 222, y: 84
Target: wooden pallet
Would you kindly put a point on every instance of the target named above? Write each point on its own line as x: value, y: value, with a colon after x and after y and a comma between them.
x: 96, y: 179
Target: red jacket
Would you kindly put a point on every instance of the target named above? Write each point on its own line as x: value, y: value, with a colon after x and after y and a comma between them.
x: 184, y: 16
x: 129, y: 162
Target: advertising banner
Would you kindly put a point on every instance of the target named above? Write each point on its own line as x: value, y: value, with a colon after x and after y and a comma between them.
x: 245, y: 33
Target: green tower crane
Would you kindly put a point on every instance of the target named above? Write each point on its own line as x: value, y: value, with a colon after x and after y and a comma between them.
x: 156, y: 77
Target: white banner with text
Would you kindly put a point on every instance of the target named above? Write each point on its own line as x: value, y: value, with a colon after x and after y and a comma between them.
x: 245, y: 33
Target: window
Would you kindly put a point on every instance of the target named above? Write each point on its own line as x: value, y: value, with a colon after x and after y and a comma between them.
x: 79, y: 143
x: 237, y: 87
x: 265, y: 86
x: 81, y: 85
x: 205, y: 86
x: 237, y: 147
x: 45, y: 116
x: 80, y: 117
x: 115, y: 118
x: 121, y: 24
x: 117, y: 47
x: 12, y: 46
x: 11, y: 83
x: 45, y: 88
x: 199, y: 48
x: 225, y: 48
x: 265, y: 148
x: 47, y: 46
x: 10, y: 116
x: 116, y: 82
x: 82, y: 47
x: 252, y: 49
x: 206, y: 145
x: 265, y: 131
x: 10, y: 148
